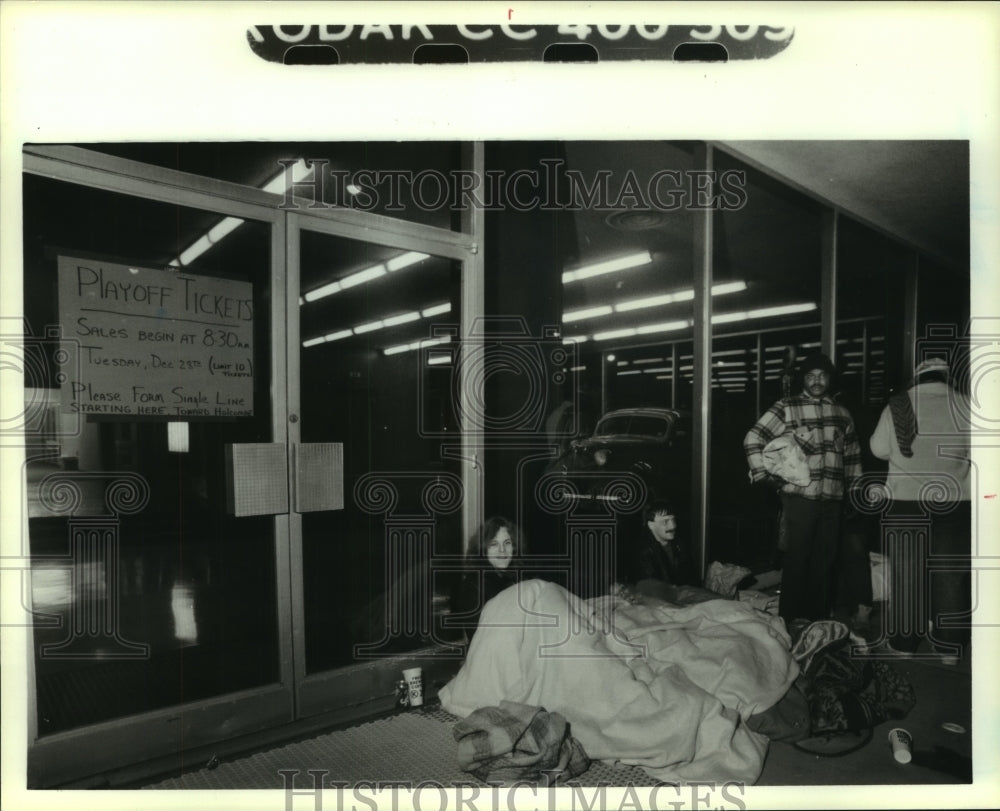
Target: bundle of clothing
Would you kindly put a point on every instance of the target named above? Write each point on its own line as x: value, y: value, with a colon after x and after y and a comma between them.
x: 514, y: 742
x: 847, y: 692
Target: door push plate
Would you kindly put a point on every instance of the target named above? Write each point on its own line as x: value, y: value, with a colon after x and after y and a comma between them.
x: 256, y: 478
x: 318, y: 476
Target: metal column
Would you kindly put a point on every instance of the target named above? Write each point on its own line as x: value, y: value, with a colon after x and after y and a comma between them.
x: 702, y: 374
x: 828, y: 284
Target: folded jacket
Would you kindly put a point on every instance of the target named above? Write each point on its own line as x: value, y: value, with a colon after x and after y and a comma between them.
x: 515, y: 742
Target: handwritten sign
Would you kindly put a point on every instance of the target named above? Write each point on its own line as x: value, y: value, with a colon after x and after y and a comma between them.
x: 155, y: 343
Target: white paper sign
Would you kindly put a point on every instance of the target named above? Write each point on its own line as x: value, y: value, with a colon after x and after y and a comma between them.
x: 155, y: 343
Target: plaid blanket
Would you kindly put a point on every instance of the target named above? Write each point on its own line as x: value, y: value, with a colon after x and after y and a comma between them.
x: 518, y: 742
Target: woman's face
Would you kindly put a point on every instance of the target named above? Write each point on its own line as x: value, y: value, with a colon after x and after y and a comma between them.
x: 500, y: 549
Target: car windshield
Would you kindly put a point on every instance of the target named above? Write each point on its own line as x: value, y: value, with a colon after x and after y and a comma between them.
x: 634, y: 424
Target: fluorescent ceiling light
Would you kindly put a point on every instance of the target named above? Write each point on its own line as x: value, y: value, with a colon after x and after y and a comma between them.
x: 320, y: 292
x: 576, y: 339
x: 578, y: 368
x: 615, y: 333
x: 371, y: 326
x: 423, y: 343
x: 363, y: 276
x: 610, y: 266
x: 437, y: 360
x: 763, y: 312
x: 280, y: 183
x: 399, y: 262
x: 437, y: 309
x: 648, y: 360
x: 630, y: 372
x: 653, y: 301
x: 218, y: 232
x: 405, y: 318
x: 645, y: 302
x: 590, y: 312
x: 664, y: 326
x: 404, y: 260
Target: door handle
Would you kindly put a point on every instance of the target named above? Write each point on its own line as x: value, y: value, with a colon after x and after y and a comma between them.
x: 256, y: 478
x: 318, y: 476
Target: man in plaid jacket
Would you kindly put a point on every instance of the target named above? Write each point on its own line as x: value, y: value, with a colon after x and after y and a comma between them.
x: 810, y: 516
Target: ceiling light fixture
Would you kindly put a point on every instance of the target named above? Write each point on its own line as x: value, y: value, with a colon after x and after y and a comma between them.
x: 590, y: 312
x: 423, y: 343
x: 663, y: 326
x: 399, y: 262
x: 276, y: 185
x: 610, y: 266
x: 404, y: 260
x: 437, y: 309
x: 659, y: 300
x: 722, y: 318
x: 764, y: 312
x: 371, y: 326
x: 382, y: 323
x: 405, y: 318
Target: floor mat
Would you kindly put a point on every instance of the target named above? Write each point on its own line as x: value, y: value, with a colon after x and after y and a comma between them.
x: 411, y: 748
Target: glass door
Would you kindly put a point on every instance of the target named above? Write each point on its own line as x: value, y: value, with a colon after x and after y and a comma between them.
x: 374, y: 391
x: 159, y: 603
x: 247, y: 485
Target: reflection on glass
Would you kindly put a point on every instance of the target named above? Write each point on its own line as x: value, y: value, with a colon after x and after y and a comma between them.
x: 133, y: 612
x: 373, y: 380
x: 182, y: 607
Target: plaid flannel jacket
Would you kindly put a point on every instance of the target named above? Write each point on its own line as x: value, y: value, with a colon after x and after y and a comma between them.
x: 831, y: 446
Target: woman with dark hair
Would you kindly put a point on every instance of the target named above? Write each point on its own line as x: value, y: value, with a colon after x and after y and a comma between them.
x: 491, y: 566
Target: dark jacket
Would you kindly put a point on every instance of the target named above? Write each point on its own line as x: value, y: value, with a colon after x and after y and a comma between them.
x: 671, y: 565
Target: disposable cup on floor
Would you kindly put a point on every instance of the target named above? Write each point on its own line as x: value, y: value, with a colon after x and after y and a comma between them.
x: 415, y: 685
x: 902, y: 743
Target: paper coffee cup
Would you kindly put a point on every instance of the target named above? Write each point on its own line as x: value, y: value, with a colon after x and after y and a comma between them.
x: 415, y: 685
x: 901, y: 742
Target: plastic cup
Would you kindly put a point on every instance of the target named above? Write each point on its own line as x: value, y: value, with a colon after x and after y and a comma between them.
x: 414, y: 685
x: 901, y: 742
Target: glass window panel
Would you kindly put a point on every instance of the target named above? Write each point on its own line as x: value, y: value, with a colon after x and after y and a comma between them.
x: 186, y: 592
x: 772, y: 245
x: 391, y: 403
x: 871, y: 284
x: 943, y: 307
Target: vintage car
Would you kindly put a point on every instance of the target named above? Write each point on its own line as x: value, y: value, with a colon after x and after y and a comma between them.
x: 642, y: 449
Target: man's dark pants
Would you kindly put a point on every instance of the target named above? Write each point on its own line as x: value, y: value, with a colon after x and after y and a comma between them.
x: 811, y: 531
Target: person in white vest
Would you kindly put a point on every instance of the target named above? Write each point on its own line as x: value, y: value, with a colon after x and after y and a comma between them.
x: 924, y: 433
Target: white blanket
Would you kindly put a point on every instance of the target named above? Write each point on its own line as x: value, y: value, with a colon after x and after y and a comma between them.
x: 652, y: 685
